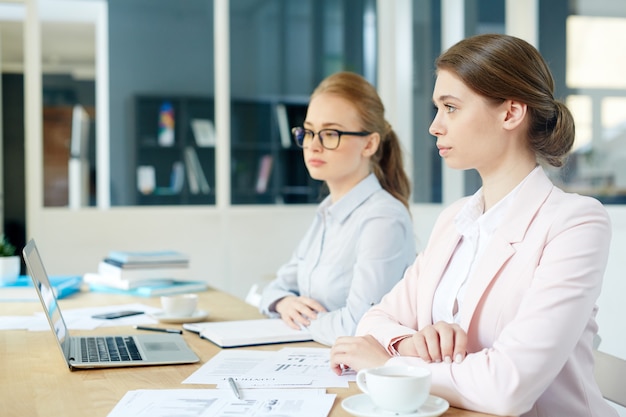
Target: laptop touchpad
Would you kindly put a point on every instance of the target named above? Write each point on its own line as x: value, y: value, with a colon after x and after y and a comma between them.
x: 160, y: 346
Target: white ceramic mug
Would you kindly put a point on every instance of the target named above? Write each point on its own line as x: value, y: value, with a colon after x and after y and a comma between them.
x: 400, y: 389
x: 181, y: 305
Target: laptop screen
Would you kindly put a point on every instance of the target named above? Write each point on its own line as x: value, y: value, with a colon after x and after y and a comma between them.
x: 46, y: 294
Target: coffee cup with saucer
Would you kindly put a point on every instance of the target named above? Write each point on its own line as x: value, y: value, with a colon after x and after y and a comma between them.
x: 395, y: 391
x: 180, y: 308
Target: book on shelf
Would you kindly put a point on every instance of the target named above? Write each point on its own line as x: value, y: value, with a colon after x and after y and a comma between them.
x: 147, y: 256
x: 194, y: 169
x: 227, y: 334
x: 142, y: 273
x: 192, y: 179
x: 23, y: 289
x: 283, y: 125
x: 203, y: 132
x: 154, y: 290
x: 166, y: 124
x: 177, y: 180
x: 177, y: 177
x: 265, y: 169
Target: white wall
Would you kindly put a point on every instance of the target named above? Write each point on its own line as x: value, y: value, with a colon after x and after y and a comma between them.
x: 612, y: 301
x: 230, y: 249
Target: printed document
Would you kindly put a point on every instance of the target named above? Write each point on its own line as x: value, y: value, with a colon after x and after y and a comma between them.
x: 212, y: 402
x: 286, y: 368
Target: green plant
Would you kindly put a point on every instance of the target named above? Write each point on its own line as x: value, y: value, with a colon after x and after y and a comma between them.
x: 6, y: 248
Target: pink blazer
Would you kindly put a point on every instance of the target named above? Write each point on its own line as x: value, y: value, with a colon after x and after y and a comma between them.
x: 529, y: 310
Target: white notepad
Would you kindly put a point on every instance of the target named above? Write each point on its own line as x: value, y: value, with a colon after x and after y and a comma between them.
x: 227, y: 334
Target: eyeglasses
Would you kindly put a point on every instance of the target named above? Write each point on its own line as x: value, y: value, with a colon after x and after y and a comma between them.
x: 329, y: 138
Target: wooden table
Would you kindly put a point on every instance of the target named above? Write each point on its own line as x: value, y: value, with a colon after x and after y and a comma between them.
x: 35, y: 381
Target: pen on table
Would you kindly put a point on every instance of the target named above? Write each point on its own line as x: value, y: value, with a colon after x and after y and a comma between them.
x: 234, y: 387
x: 158, y: 329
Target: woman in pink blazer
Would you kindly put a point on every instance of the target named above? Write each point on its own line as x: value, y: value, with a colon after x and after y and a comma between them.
x: 501, y: 304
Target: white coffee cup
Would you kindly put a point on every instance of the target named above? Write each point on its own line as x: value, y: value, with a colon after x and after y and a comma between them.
x: 400, y: 389
x: 180, y: 305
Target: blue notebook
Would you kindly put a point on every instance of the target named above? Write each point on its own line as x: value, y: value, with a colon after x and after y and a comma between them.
x: 177, y: 287
x: 23, y: 290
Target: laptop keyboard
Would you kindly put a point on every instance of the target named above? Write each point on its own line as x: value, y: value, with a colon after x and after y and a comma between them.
x: 109, y: 349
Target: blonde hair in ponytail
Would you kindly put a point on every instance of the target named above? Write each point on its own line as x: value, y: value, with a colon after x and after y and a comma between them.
x: 387, y: 162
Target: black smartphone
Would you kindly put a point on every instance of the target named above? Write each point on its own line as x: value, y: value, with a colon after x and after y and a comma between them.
x: 116, y: 314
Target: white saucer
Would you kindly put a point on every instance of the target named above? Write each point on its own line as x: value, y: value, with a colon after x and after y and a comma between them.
x: 197, y: 316
x: 361, y: 405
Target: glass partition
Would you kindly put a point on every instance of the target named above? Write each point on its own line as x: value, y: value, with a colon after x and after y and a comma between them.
x: 595, y: 91
x: 161, y: 102
x: 575, y: 38
x: 481, y: 16
x: 69, y: 126
x: 68, y: 79
x: 280, y: 50
x: 161, y: 76
x: 427, y: 181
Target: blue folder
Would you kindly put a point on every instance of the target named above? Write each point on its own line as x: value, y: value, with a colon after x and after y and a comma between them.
x: 23, y: 290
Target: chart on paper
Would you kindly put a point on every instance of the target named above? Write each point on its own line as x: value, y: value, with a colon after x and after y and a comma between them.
x: 288, y: 367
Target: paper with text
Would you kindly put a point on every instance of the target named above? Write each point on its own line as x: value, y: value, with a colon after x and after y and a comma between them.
x: 288, y: 367
x: 207, y: 402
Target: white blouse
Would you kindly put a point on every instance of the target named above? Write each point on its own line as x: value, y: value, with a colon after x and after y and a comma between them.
x: 476, y: 229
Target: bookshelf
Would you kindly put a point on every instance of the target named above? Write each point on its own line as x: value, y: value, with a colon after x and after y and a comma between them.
x: 178, y: 168
x: 297, y: 187
x: 266, y: 166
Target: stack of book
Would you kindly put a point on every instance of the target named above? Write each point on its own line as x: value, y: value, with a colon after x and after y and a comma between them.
x: 144, y: 274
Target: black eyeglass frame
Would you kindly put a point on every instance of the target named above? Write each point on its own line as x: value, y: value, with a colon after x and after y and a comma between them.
x: 302, y: 132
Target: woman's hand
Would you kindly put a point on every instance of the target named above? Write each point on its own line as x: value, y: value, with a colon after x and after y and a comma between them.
x: 439, y: 342
x: 357, y: 353
x: 298, y: 311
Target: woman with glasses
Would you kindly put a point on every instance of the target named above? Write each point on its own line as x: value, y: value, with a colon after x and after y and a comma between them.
x: 361, y: 239
x: 501, y: 304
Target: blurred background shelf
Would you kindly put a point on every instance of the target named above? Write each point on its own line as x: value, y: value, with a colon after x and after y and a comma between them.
x: 266, y: 166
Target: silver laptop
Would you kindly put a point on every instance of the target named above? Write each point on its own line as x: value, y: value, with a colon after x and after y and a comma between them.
x: 105, y: 351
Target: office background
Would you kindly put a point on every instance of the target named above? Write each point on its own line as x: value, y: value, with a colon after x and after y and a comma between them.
x: 263, y: 51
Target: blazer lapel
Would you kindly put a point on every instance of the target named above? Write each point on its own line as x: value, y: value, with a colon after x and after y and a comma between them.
x: 527, y: 202
x: 496, y: 254
x: 432, y: 271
